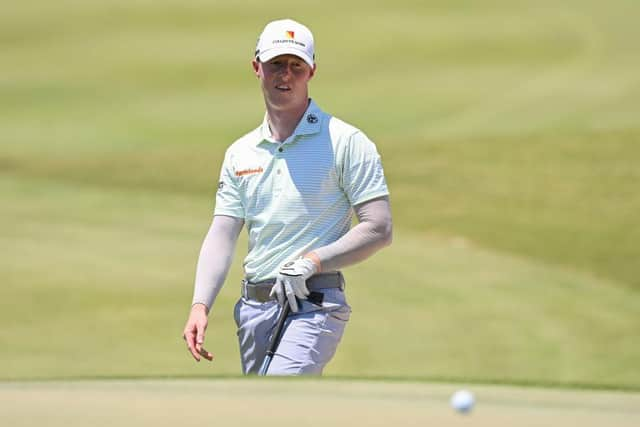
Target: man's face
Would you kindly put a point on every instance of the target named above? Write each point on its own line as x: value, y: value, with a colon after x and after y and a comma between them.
x: 284, y: 80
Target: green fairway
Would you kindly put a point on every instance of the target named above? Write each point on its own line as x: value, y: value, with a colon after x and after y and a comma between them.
x: 109, y: 292
x: 510, y: 137
x: 311, y: 403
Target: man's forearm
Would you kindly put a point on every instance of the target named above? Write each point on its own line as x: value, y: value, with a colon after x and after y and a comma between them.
x: 215, y: 259
x: 373, y: 232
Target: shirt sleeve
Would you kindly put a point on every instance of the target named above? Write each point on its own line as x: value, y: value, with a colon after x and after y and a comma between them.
x: 228, y: 196
x: 363, y: 176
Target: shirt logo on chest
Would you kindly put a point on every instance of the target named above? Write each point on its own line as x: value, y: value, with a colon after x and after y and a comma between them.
x: 250, y: 171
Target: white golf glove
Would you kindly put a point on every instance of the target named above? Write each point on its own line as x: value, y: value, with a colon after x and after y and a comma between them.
x: 291, y: 282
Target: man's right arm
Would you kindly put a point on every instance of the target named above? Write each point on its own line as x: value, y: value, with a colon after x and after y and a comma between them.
x: 215, y: 258
x: 214, y: 262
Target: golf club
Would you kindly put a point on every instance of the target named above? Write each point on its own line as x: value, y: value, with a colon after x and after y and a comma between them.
x: 275, y: 339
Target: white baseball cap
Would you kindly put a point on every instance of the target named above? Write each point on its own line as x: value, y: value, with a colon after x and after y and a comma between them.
x: 286, y: 36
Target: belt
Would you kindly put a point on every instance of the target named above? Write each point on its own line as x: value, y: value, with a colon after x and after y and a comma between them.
x: 260, y: 291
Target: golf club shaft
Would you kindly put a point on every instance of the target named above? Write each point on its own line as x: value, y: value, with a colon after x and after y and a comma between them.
x: 275, y: 339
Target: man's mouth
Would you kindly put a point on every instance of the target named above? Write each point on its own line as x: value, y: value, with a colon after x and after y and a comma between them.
x: 284, y: 88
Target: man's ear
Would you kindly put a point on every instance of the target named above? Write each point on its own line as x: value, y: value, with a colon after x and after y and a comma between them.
x: 256, y: 67
x: 313, y: 71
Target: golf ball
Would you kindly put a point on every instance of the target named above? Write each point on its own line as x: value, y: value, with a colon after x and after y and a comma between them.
x: 462, y: 401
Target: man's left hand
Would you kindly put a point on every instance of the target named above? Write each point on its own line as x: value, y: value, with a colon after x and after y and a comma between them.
x: 291, y: 282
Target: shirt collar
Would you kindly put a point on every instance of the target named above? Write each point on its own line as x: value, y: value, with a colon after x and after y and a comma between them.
x: 309, y: 124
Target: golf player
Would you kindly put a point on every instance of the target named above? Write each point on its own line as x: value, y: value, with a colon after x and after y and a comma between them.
x: 294, y: 182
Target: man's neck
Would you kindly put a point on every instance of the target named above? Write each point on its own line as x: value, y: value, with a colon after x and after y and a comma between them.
x: 282, y: 123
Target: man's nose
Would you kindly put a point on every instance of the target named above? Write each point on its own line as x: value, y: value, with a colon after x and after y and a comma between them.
x: 286, y: 70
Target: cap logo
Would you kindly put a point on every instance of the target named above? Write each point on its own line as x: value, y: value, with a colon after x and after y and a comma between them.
x: 290, y: 34
x: 312, y: 118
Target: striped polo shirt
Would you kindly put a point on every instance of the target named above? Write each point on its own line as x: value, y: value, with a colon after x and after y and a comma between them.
x: 297, y: 195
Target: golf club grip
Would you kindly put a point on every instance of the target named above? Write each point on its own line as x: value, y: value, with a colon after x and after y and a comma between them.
x: 275, y: 339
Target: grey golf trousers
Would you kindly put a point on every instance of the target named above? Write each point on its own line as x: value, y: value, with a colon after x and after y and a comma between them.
x: 308, y: 343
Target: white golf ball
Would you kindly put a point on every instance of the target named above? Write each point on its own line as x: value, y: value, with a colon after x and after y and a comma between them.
x: 462, y: 401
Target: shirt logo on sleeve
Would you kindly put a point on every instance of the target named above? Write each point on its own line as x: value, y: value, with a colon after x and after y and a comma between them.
x: 251, y: 171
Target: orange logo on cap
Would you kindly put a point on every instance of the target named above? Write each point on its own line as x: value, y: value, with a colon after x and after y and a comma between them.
x: 290, y: 34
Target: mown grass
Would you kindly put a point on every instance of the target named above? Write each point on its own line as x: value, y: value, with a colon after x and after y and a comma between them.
x: 250, y: 401
x: 510, y: 139
x: 100, y: 280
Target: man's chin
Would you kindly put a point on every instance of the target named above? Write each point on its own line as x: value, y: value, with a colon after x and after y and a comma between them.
x: 285, y: 100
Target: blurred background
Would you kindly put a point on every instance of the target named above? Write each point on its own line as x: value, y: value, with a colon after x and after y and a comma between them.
x: 510, y: 137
